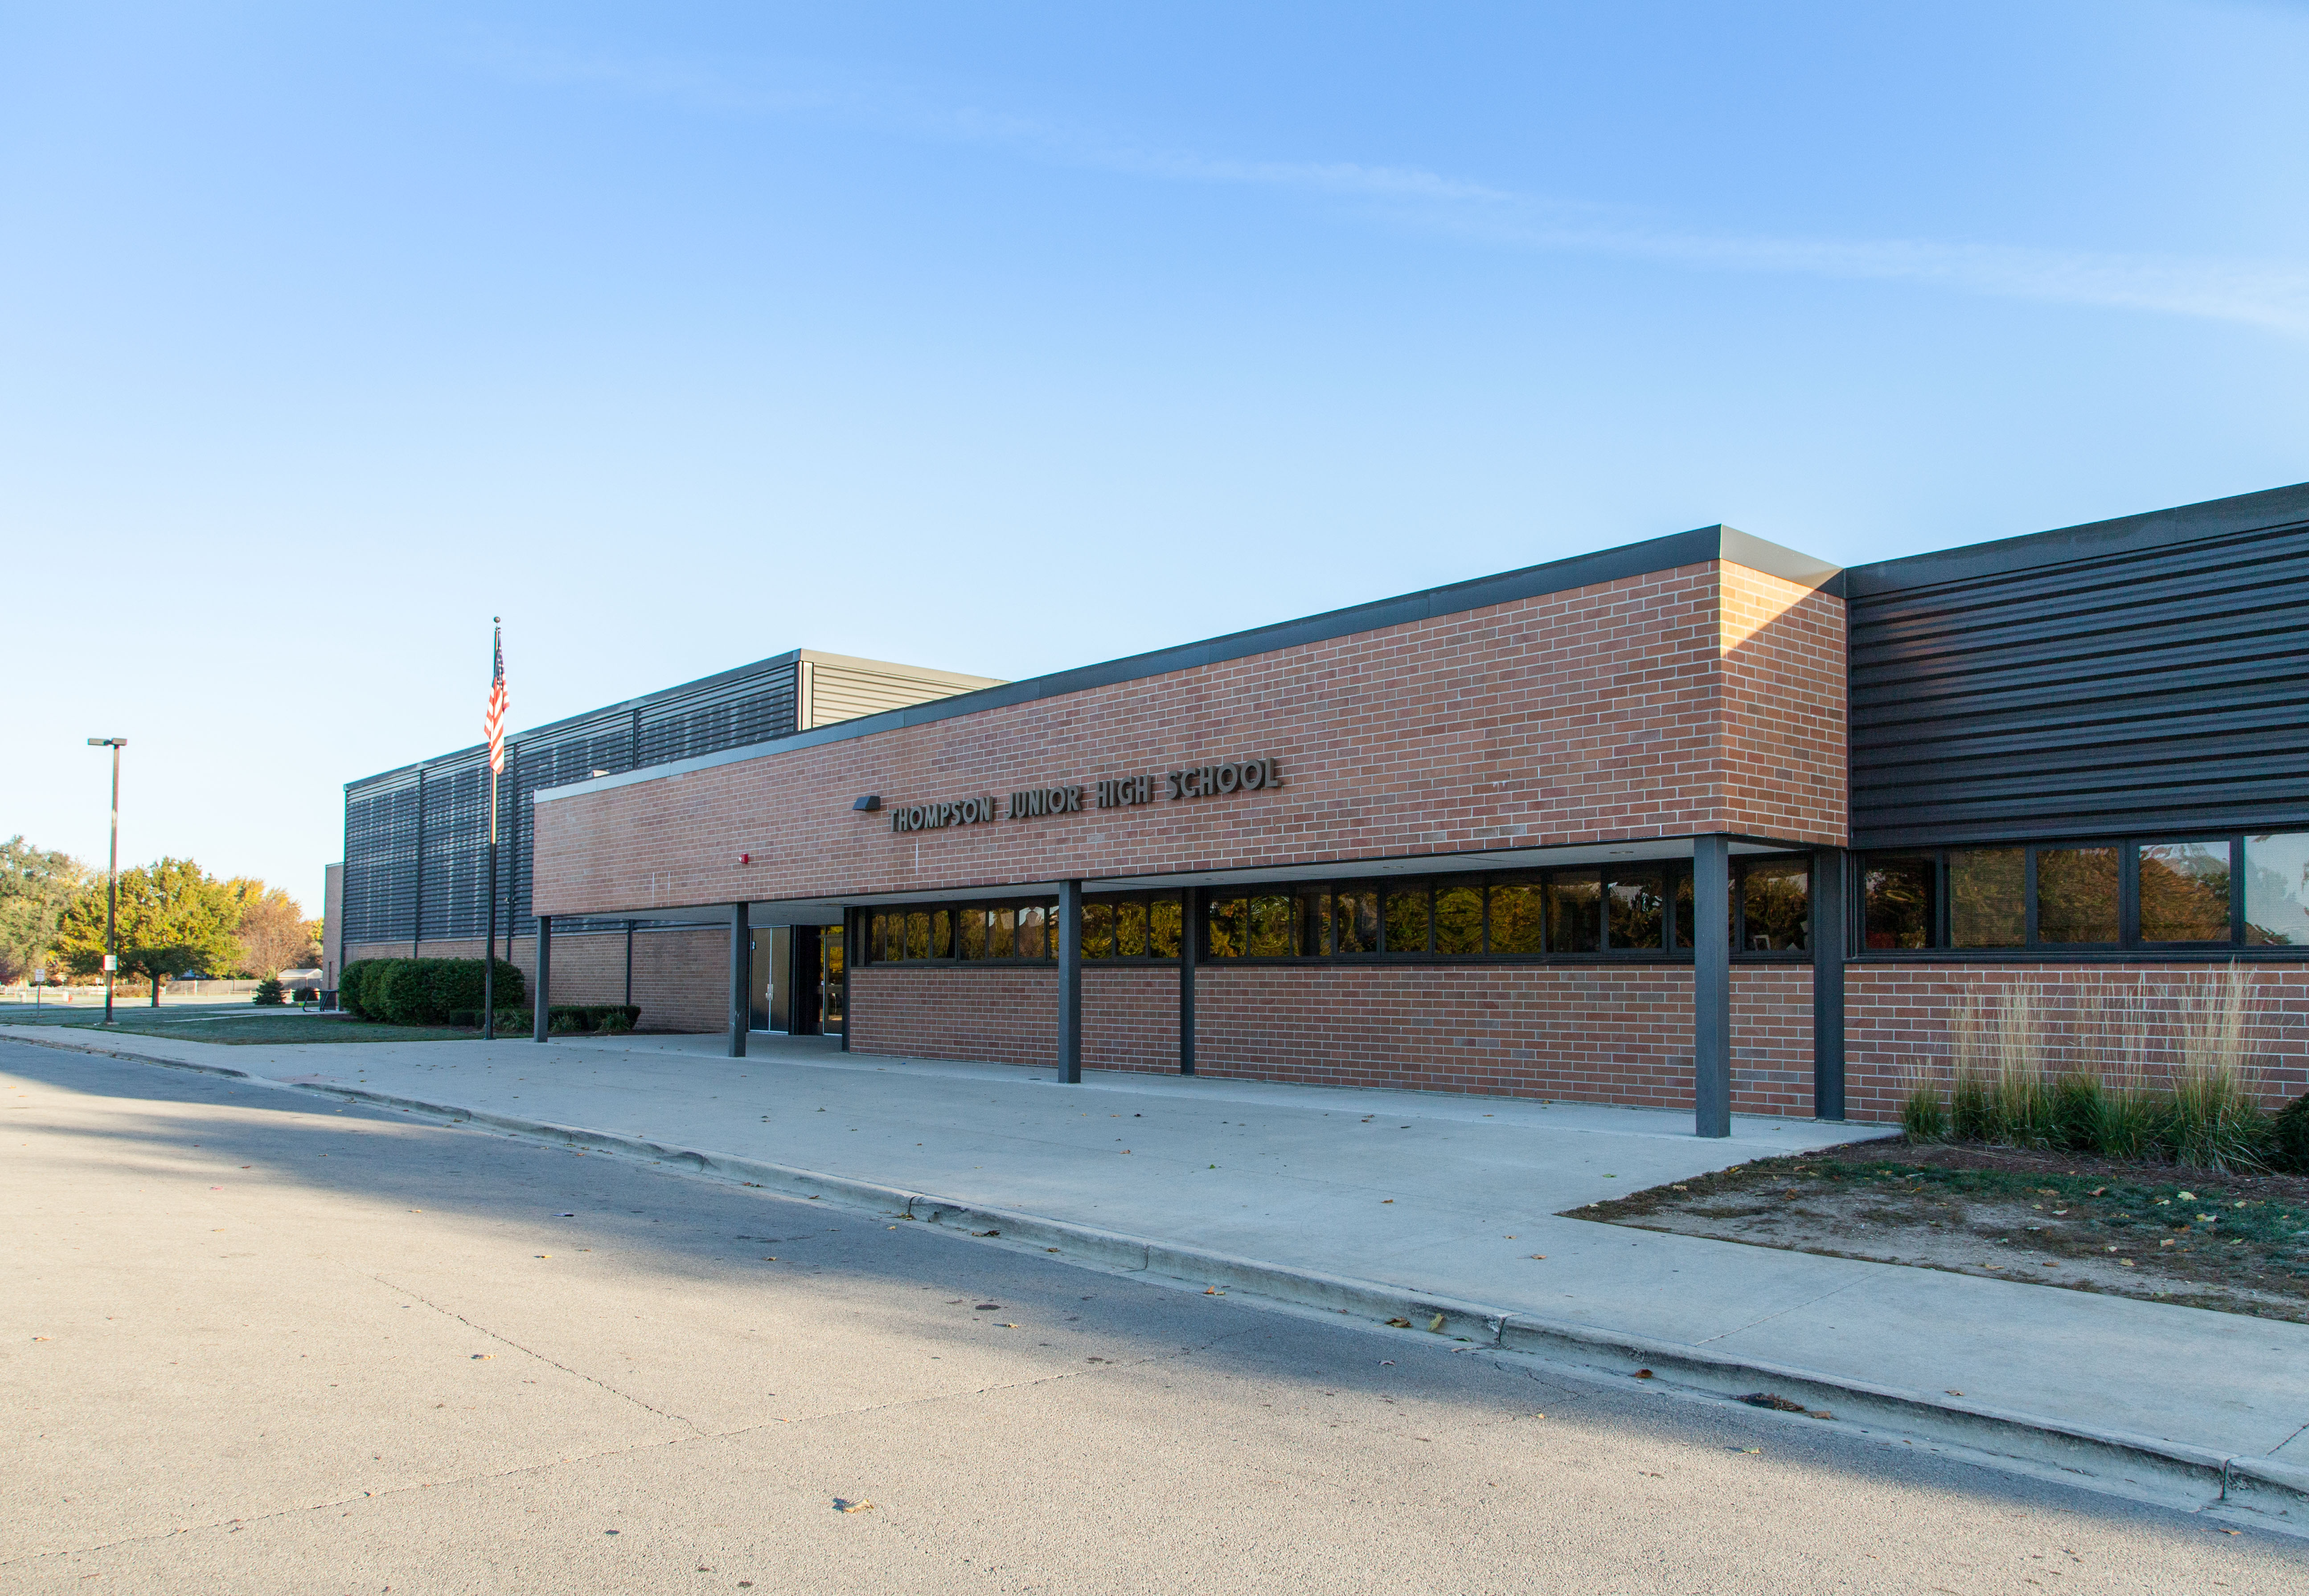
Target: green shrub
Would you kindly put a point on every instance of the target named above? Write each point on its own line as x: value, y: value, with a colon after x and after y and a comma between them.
x: 353, y: 984
x: 268, y: 993
x: 565, y: 1019
x: 424, y: 991
x: 2289, y: 1137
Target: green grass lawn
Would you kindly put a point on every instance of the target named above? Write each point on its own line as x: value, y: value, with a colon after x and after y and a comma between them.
x: 235, y: 1024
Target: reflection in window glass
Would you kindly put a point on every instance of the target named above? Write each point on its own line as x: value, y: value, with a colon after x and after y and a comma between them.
x: 1988, y: 891
x: 2184, y: 892
x: 1517, y: 918
x: 1775, y: 904
x: 1684, y: 910
x: 1162, y: 927
x: 1224, y: 922
x: 1899, y: 896
x: 941, y: 933
x: 1406, y: 919
x: 2076, y: 895
x: 973, y: 933
x: 877, y: 936
x: 1098, y: 930
x: 1034, y: 933
x: 2276, y: 889
x: 1314, y: 920
x: 918, y: 934
x: 1355, y: 919
x: 1635, y: 904
x: 1458, y: 918
x: 1130, y: 928
x: 1002, y: 933
x: 1575, y: 912
x: 1273, y: 931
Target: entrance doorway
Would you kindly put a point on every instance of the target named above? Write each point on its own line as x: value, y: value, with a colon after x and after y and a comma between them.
x: 798, y: 981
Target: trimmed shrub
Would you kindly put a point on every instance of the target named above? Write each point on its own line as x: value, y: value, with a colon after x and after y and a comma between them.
x: 2289, y: 1137
x: 423, y: 991
x: 269, y: 993
x: 353, y: 986
x: 563, y: 1019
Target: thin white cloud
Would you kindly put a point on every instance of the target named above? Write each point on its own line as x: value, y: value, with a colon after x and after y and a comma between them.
x: 2268, y: 296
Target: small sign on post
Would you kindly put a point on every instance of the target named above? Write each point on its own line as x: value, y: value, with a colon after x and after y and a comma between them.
x: 111, y: 964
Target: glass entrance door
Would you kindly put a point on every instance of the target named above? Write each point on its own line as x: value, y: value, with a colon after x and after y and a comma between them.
x: 831, y: 1008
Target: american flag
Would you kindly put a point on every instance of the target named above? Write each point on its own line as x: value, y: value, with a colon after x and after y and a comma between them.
x: 493, y: 721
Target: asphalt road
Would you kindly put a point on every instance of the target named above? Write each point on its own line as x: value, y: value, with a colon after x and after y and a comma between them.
x: 252, y: 1340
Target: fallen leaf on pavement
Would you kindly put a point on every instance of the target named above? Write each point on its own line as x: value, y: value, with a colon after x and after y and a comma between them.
x: 842, y: 1505
x: 1435, y: 1323
x: 1400, y: 1323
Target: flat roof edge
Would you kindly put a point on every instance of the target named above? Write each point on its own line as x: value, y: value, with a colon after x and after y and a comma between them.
x: 2155, y: 528
x: 1677, y: 549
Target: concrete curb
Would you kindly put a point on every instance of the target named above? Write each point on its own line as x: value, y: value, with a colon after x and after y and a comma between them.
x: 2145, y: 1466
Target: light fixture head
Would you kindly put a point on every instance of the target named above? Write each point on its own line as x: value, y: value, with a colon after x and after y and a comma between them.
x: 869, y: 804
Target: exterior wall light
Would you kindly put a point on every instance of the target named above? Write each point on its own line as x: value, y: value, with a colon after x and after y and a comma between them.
x: 869, y: 804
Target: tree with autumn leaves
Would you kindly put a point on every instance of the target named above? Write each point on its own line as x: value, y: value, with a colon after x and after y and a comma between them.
x: 174, y: 917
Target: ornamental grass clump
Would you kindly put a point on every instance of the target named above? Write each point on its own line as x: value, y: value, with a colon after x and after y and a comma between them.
x: 2217, y: 1120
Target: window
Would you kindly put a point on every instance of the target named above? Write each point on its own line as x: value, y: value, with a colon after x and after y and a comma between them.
x: 2184, y: 892
x: 1272, y: 930
x: 1034, y: 933
x: 1314, y: 921
x: 1636, y: 906
x: 1458, y: 918
x: 918, y: 934
x: 1775, y: 904
x: 1130, y: 928
x: 973, y: 924
x: 1098, y: 930
x: 2145, y: 894
x: 1899, y: 901
x: 1518, y: 916
x: 1226, y: 922
x: 2076, y: 896
x: 2276, y: 889
x: 1354, y: 923
x: 1406, y: 919
x: 1988, y: 897
x: 1575, y: 912
x: 1164, y: 916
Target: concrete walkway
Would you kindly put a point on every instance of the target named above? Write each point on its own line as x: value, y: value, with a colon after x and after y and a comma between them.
x: 1436, y: 1194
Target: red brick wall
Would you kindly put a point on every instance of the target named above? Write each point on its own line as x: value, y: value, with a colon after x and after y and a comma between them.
x: 1597, y: 1033
x: 1611, y: 710
x: 1784, y: 707
x: 1897, y: 1022
x: 681, y: 975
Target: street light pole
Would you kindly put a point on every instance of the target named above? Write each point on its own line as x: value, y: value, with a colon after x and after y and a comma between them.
x: 112, y: 874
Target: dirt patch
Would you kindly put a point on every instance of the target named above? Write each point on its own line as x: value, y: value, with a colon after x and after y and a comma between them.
x: 2235, y: 1243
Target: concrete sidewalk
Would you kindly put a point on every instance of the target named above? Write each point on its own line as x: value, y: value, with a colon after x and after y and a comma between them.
x: 1444, y: 1195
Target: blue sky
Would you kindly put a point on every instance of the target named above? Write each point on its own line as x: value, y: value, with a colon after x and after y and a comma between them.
x: 1004, y: 338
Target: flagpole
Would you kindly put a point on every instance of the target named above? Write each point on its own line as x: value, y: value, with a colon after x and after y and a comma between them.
x: 489, y: 948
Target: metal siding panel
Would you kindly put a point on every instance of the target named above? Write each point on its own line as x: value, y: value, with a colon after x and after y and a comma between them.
x: 2150, y: 689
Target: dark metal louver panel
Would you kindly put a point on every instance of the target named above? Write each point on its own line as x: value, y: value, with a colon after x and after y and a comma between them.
x: 2156, y: 687
x: 387, y: 883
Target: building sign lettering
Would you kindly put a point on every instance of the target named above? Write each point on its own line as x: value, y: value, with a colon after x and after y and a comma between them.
x: 1114, y: 792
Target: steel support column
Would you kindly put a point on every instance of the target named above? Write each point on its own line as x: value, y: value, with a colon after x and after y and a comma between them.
x: 544, y: 1020
x: 1827, y: 955
x: 1070, y: 982
x: 850, y: 947
x: 1711, y: 987
x: 741, y: 970
x: 1190, y: 916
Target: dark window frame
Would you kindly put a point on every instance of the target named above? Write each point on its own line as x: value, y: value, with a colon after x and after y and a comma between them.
x: 2131, y: 945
